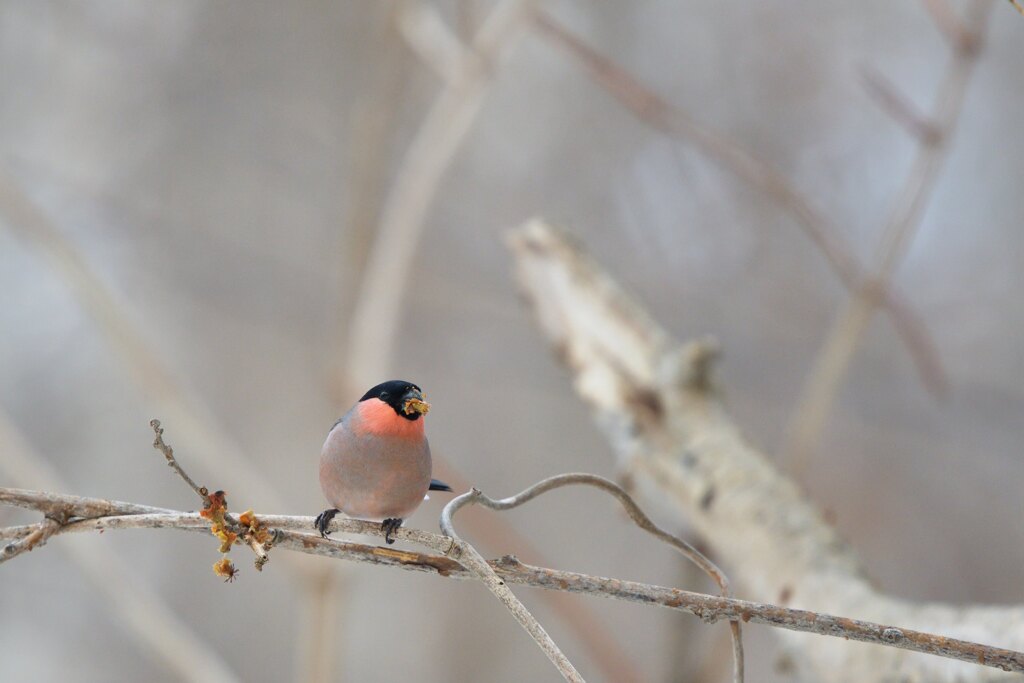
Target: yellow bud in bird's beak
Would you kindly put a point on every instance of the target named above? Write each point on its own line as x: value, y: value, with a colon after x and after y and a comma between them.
x: 414, y: 403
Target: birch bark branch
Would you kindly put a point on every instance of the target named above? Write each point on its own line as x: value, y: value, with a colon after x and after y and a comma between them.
x: 651, y: 397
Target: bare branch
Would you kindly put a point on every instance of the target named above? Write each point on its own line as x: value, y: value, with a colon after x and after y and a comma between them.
x: 896, y: 105
x: 374, y: 325
x: 1019, y: 7
x: 432, y: 41
x: 833, y: 360
x: 948, y: 23
x: 677, y: 442
x: 709, y: 608
x: 659, y: 113
x: 476, y: 497
x: 158, y: 443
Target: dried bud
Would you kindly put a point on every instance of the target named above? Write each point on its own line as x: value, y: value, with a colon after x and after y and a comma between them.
x: 225, y: 568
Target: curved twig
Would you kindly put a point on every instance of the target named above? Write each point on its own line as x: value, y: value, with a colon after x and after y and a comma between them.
x: 476, y: 497
x: 468, y: 556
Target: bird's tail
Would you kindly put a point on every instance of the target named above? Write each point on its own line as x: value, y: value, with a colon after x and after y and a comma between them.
x: 437, y: 485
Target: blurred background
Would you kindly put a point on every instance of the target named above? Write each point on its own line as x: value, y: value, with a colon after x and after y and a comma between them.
x: 190, y: 198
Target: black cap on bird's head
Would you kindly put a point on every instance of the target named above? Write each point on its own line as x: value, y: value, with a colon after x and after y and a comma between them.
x: 405, y: 397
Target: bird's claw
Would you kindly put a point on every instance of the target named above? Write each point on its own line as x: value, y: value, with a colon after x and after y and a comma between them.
x: 390, y: 526
x: 323, y: 521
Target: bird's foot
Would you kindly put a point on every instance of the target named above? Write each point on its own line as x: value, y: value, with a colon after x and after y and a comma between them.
x: 323, y: 521
x: 390, y: 526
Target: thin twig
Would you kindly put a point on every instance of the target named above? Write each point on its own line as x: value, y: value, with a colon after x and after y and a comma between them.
x: 948, y: 23
x: 293, y: 535
x: 1019, y: 7
x: 899, y: 107
x: 249, y: 537
x: 836, y: 353
x: 158, y: 443
x: 657, y: 112
x: 476, y: 497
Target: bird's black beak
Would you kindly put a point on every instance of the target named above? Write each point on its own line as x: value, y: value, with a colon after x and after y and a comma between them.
x: 413, y: 403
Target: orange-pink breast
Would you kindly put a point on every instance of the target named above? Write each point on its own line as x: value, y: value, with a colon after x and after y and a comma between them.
x: 373, y: 466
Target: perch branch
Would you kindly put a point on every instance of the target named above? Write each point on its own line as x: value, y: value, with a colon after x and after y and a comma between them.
x: 294, y: 534
x: 476, y: 497
x: 674, y: 438
x: 657, y: 112
x: 836, y: 353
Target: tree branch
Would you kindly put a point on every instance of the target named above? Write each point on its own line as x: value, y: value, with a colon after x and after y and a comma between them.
x: 673, y: 437
x: 657, y: 112
x: 837, y: 351
x: 296, y: 534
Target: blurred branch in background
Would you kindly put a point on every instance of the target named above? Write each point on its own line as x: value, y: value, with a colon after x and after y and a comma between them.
x: 374, y: 142
x: 293, y: 533
x: 659, y: 113
x: 651, y: 398
x: 1017, y: 6
x: 373, y: 328
x: 833, y: 361
x: 220, y: 456
x: 467, y: 73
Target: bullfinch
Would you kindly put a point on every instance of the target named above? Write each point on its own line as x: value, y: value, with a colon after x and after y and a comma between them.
x: 375, y: 463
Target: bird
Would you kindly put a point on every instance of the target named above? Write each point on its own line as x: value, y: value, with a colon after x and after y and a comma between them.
x: 375, y: 464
